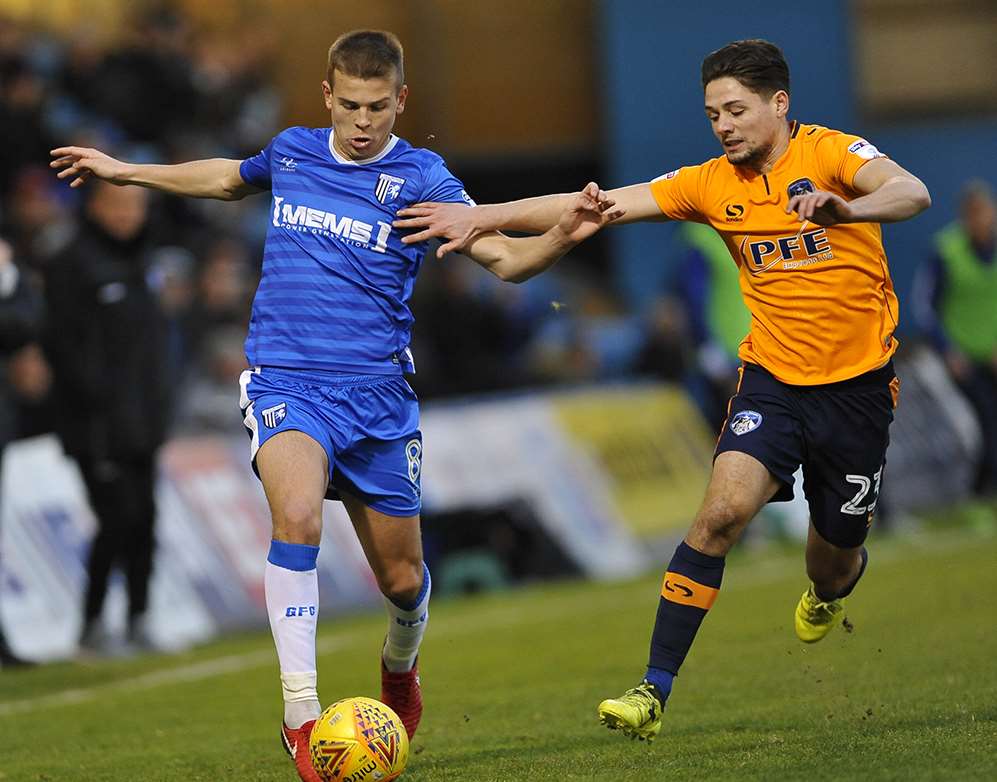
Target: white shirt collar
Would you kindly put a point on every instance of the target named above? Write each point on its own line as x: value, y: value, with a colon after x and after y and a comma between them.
x: 392, y: 140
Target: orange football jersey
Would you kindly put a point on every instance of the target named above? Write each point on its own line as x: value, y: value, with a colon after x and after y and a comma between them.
x: 821, y: 299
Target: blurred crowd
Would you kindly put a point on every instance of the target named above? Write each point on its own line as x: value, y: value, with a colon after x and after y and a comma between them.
x: 123, y: 312
x: 159, y: 93
x: 164, y: 91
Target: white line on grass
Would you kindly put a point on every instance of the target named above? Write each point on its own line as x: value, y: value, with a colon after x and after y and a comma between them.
x: 502, y: 616
x: 208, y: 669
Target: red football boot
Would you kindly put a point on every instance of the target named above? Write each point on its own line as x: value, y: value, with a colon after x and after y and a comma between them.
x: 295, y: 741
x: 402, y: 693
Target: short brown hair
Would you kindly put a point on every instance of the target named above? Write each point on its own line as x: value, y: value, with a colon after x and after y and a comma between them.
x: 367, y: 54
x: 757, y: 64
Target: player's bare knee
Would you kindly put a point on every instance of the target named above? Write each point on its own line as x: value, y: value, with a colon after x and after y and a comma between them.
x: 401, y: 581
x: 720, y: 523
x: 295, y: 521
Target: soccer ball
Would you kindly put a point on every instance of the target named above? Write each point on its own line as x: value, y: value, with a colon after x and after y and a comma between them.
x: 358, y: 740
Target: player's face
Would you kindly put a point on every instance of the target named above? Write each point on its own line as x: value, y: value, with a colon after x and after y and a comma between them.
x: 747, y: 124
x: 363, y: 112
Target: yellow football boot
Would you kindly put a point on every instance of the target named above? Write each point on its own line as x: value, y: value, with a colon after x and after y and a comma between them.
x: 815, y: 617
x: 637, y: 713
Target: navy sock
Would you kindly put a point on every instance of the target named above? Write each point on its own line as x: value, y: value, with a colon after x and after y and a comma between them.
x: 690, y: 586
x: 661, y: 680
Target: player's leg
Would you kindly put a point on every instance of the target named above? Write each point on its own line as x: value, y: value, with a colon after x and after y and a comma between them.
x: 758, y: 451
x: 847, y: 427
x: 139, y: 547
x: 393, y: 546
x: 294, y: 470
x: 739, y: 486
x: 103, y: 481
x: 833, y: 571
x: 378, y: 477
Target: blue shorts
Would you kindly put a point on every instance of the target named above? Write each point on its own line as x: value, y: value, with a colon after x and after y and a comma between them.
x: 368, y: 426
x: 838, y: 432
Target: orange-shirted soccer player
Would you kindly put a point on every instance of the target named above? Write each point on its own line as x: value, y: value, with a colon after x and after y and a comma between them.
x: 799, y: 207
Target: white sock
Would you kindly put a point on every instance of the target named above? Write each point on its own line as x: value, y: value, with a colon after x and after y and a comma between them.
x: 300, y: 698
x: 406, y: 627
x: 292, y: 605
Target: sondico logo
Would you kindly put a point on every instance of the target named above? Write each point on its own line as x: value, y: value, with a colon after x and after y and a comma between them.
x: 295, y: 217
x: 681, y: 588
x: 802, y: 249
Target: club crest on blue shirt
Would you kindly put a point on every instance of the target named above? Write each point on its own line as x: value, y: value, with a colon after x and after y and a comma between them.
x: 388, y: 188
x: 745, y: 421
x: 272, y: 416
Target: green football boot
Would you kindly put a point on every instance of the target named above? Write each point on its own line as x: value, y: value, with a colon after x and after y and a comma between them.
x: 637, y: 712
x: 815, y: 617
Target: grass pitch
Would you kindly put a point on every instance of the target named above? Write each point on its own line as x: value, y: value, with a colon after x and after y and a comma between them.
x: 511, y: 682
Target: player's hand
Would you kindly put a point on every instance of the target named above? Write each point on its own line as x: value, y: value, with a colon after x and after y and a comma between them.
x: 588, y: 212
x: 820, y: 208
x: 454, y: 223
x: 81, y: 163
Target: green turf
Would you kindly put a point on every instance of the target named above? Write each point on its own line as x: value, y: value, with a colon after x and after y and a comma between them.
x: 511, y: 683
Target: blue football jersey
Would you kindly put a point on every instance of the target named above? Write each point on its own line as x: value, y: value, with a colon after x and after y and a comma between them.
x: 336, y: 277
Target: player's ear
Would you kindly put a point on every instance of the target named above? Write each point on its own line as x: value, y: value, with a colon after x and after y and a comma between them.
x: 780, y: 100
x: 327, y: 94
x: 402, y: 95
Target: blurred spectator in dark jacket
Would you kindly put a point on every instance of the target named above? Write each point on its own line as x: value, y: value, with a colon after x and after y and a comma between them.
x: 223, y: 293
x: 208, y: 404
x: 146, y: 85
x: 22, y: 375
x: 665, y: 352
x: 106, y: 342
x: 707, y: 310
x: 36, y: 221
x: 25, y: 137
x: 958, y: 294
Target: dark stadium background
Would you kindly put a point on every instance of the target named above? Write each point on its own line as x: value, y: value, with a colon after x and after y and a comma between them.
x: 522, y: 98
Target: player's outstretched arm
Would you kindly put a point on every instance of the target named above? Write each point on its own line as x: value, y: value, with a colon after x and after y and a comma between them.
x: 890, y: 194
x: 214, y: 178
x: 519, y: 259
x: 458, y: 225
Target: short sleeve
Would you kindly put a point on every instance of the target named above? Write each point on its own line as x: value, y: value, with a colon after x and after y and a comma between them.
x: 841, y: 155
x: 678, y: 193
x: 255, y: 170
x: 443, y: 187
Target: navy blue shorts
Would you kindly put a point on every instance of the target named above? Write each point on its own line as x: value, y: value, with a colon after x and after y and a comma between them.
x: 838, y: 432
x: 368, y: 426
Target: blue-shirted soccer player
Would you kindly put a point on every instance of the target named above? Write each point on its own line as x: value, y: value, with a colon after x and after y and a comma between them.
x: 326, y: 403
